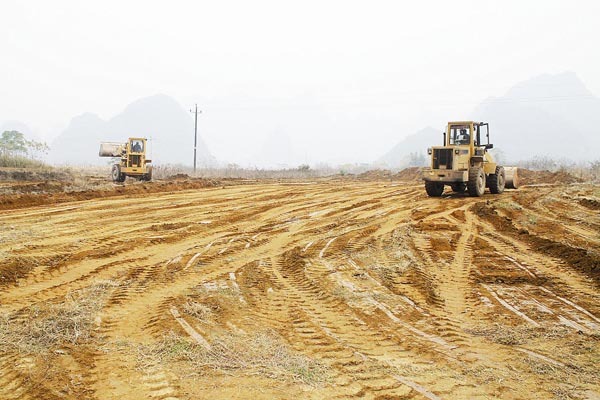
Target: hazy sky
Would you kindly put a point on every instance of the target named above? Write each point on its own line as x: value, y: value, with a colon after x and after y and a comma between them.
x: 356, y: 76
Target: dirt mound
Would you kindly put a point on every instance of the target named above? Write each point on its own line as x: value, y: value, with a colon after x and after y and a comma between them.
x: 409, y: 174
x: 178, y: 177
x: 36, y: 187
x: 375, y: 175
x: 530, y: 177
x: 15, y: 201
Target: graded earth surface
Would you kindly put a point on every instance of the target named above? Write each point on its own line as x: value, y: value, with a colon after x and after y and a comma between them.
x: 305, y: 289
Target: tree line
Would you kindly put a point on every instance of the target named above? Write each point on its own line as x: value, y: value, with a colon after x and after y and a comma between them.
x: 17, y: 151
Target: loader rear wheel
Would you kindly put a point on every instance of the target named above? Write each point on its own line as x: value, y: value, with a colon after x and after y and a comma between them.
x: 476, y: 184
x: 116, y: 174
x: 434, y: 189
x: 497, y: 180
x: 459, y: 187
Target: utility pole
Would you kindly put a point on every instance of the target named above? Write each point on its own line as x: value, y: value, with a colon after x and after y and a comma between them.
x: 195, y: 134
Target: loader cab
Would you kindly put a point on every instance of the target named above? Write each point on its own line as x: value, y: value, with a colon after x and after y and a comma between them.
x: 137, y: 146
x: 136, y: 153
x: 460, y: 135
x: 475, y: 134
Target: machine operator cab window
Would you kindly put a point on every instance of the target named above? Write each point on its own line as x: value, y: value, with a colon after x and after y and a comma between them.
x: 460, y: 135
x: 137, y: 146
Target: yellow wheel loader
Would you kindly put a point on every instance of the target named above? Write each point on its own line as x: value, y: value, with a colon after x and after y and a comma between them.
x: 464, y: 163
x: 132, y: 159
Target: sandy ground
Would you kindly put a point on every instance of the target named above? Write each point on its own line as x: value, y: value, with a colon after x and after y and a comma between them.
x: 303, y: 290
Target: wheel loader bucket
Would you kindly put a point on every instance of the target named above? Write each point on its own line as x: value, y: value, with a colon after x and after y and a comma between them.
x: 512, y: 177
x: 110, y: 149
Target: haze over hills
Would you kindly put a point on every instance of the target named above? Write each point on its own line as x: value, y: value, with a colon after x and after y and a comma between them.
x: 404, y: 153
x: 159, y: 118
x: 553, y: 115
x: 549, y: 115
x: 277, y: 152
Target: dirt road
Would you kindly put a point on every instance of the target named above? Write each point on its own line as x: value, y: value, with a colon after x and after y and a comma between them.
x: 304, y: 290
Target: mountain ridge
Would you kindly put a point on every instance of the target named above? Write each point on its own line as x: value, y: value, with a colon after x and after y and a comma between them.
x: 548, y: 115
x: 159, y: 118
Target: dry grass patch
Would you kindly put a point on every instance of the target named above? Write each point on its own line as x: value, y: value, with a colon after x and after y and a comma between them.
x: 511, y: 335
x: 40, y: 328
x: 264, y: 353
x: 387, y: 274
x: 345, y: 294
x: 198, y: 310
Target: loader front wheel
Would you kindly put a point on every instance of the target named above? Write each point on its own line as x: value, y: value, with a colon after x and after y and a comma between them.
x: 148, y: 175
x: 434, y: 189
x: 497, y: 180
x: 116, y: 174
x: 459, y: 187
x: 476, y: 184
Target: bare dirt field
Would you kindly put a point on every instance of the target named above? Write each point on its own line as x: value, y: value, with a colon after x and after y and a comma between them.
x: 315, y: 289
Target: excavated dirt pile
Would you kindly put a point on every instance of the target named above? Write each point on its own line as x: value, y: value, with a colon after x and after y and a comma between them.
x: 375, y: 175
x: 54, y: 192
x: 411, y: 174
x: 530, y: 177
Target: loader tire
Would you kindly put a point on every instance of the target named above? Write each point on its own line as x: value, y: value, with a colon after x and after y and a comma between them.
x: 116, y: 174
x: 459, y: 187
x: 148, y: 175
x: 434, y: 189
x: 497, y: 180
x: 476, y: 184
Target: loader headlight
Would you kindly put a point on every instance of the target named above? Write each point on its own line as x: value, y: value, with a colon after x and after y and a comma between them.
x: 456, y: 151
x: 429, y: 151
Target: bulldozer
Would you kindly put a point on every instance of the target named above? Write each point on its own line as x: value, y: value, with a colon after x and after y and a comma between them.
x: 464, y: 163
x: 132, y: 159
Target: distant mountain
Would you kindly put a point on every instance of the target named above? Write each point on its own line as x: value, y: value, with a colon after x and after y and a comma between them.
x: 412, y: 150
x: 550, y: 115
x: 159, y: 118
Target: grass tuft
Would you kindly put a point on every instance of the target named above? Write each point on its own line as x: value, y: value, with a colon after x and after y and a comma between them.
x: 263, y: 353
x: 511, y: 336
x: 198, y: 310
x: 40, y: 328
